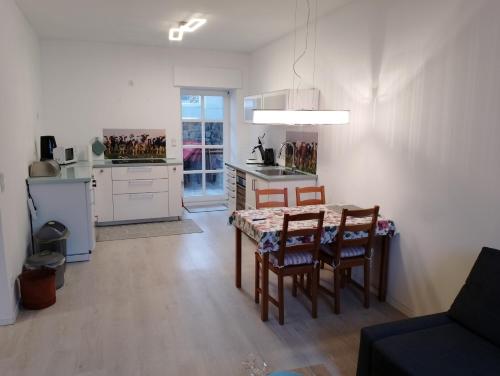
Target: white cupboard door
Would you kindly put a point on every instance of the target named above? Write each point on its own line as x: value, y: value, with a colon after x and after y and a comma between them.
x: 103, y: 195
x: 253, y: 183
x: 175, y: 175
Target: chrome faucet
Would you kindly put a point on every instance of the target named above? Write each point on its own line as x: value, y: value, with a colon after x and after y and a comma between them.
x: 294, y: 150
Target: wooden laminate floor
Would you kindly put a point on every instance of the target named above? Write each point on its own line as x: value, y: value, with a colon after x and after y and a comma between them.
x: 168, y: 306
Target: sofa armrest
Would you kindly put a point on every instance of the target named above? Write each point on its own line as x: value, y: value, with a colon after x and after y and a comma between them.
x: 372, y: 334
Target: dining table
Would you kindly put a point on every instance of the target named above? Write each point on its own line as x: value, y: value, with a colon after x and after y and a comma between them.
x: 264, y: 227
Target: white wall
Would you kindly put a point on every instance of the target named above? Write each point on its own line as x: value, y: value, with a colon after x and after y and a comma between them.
x: 91, y: 86
x: 19, y: 109
x: 422, y: 80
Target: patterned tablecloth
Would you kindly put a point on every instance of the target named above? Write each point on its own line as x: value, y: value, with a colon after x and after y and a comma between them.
x: 265, y: 225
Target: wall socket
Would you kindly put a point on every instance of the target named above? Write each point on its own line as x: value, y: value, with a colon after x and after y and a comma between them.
x: 2, y: 182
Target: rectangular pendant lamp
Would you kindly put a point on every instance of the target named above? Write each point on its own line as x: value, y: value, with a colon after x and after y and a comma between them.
x: 300, y: 117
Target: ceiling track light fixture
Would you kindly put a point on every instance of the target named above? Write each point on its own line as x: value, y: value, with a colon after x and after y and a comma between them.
x: 176, y: 33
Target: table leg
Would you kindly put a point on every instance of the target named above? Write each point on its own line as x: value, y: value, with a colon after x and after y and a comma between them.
x: 238, y: 258
x: 384, y: 268
x: 264, y: 306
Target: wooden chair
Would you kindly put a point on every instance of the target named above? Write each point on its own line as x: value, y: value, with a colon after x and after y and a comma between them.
x: 293, y: 260
x: 259, y: 204
x: 346, y: 253
x: 307, y: 190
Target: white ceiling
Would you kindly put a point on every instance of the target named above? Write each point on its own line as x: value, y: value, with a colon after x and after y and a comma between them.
x: 233, y: 25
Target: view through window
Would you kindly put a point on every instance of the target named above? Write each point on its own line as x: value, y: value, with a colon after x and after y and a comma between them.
x: 203, y: 144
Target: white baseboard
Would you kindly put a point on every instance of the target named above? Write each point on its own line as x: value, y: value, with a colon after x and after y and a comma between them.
x: 10, y: 320
x: 392, y: 302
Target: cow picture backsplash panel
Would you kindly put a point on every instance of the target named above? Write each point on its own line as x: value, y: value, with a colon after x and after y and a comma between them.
x: 306, y: 155
x: 134, y: 143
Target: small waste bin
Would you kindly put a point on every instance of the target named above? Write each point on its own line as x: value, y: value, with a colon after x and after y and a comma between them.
x: 48, y: 260
x: 52, y: 236
x: 38, y: 288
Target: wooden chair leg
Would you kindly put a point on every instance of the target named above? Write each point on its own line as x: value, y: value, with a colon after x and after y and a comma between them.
x: 308, y: 284
x: 281, y: 303
x: 257, y: 278
x: 336, y: 287
x: 314, y: 292
x: 367, y: 283
x: 294, y: 285
x: 302, y: 281
x: 342, y: 279
x: 348, y: 275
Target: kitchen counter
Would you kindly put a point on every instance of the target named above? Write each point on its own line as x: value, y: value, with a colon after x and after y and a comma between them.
x: 107, y: 163
x: 80, y: 172
x: 252, y: 169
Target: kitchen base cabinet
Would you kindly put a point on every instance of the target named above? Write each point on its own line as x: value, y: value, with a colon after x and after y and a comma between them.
x: 140, y: 206
x: 103, y: 194
x: 137, y: 193
x: 254, y: 183
x: 175, y: 188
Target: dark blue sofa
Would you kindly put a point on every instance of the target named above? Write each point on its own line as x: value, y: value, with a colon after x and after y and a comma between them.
x: 463, y: 341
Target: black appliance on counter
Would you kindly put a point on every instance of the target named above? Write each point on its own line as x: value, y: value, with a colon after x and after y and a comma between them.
x: 47, y: 146
x: 269, y: 157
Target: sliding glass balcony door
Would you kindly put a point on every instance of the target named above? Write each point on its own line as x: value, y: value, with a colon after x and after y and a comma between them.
x: 204, y: 135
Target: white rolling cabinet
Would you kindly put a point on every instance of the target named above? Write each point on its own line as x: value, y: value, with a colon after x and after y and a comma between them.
x: 175, y: 191
x: 231, y: 188
x: 103, y: 194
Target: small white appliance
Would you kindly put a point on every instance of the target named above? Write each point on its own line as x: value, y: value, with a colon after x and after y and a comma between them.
x: 64, y: 155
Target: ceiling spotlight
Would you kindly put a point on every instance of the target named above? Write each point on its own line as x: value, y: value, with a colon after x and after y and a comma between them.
x: 193, y: 24
x: 175, y: 33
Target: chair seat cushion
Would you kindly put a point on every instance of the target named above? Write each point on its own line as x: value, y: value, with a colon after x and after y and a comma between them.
x: 296, y: 258
x: 346, y: 252
x: 448, y: 349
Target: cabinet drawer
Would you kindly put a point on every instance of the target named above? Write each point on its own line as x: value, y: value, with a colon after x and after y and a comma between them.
x: 140, y: 206
x: 139, y: 172
x: 140, y: 186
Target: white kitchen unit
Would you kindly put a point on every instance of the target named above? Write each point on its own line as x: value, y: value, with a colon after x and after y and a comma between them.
x: 137, y: 193
x: 175, y: 191
x: 103, y: 199
x: 67, y: 199
x: 231, y: 188
x: 251, y: 103
x: 288, y: 99
x: 254, y: 182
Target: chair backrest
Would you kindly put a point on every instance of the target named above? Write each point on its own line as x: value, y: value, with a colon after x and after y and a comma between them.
x: 270, y: 203
x: 310, y: 235
x: 367, y: 227
x: 310, y: 201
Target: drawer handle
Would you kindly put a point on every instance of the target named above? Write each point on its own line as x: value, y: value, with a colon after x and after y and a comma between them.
x: 139, y: 169
x: 147, y: 196
x: 140, y: 182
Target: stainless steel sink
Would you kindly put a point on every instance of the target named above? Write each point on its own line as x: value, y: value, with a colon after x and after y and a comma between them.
x: 279, y: 171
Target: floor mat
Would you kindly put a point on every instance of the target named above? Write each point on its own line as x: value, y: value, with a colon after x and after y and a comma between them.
x: 205, y: 208
x: 146, y: 230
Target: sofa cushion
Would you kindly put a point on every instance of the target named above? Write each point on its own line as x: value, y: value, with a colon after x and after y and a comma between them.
x: 477, y: 306
x: 447, y: 349
x: 370, y: 335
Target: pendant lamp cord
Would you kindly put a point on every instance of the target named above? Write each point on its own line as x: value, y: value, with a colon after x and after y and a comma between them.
x: 296, y: 59
x: 315, y: 42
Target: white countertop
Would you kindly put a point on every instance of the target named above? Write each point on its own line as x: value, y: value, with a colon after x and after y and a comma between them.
x: 81, y: 172
x: 252, y: 169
